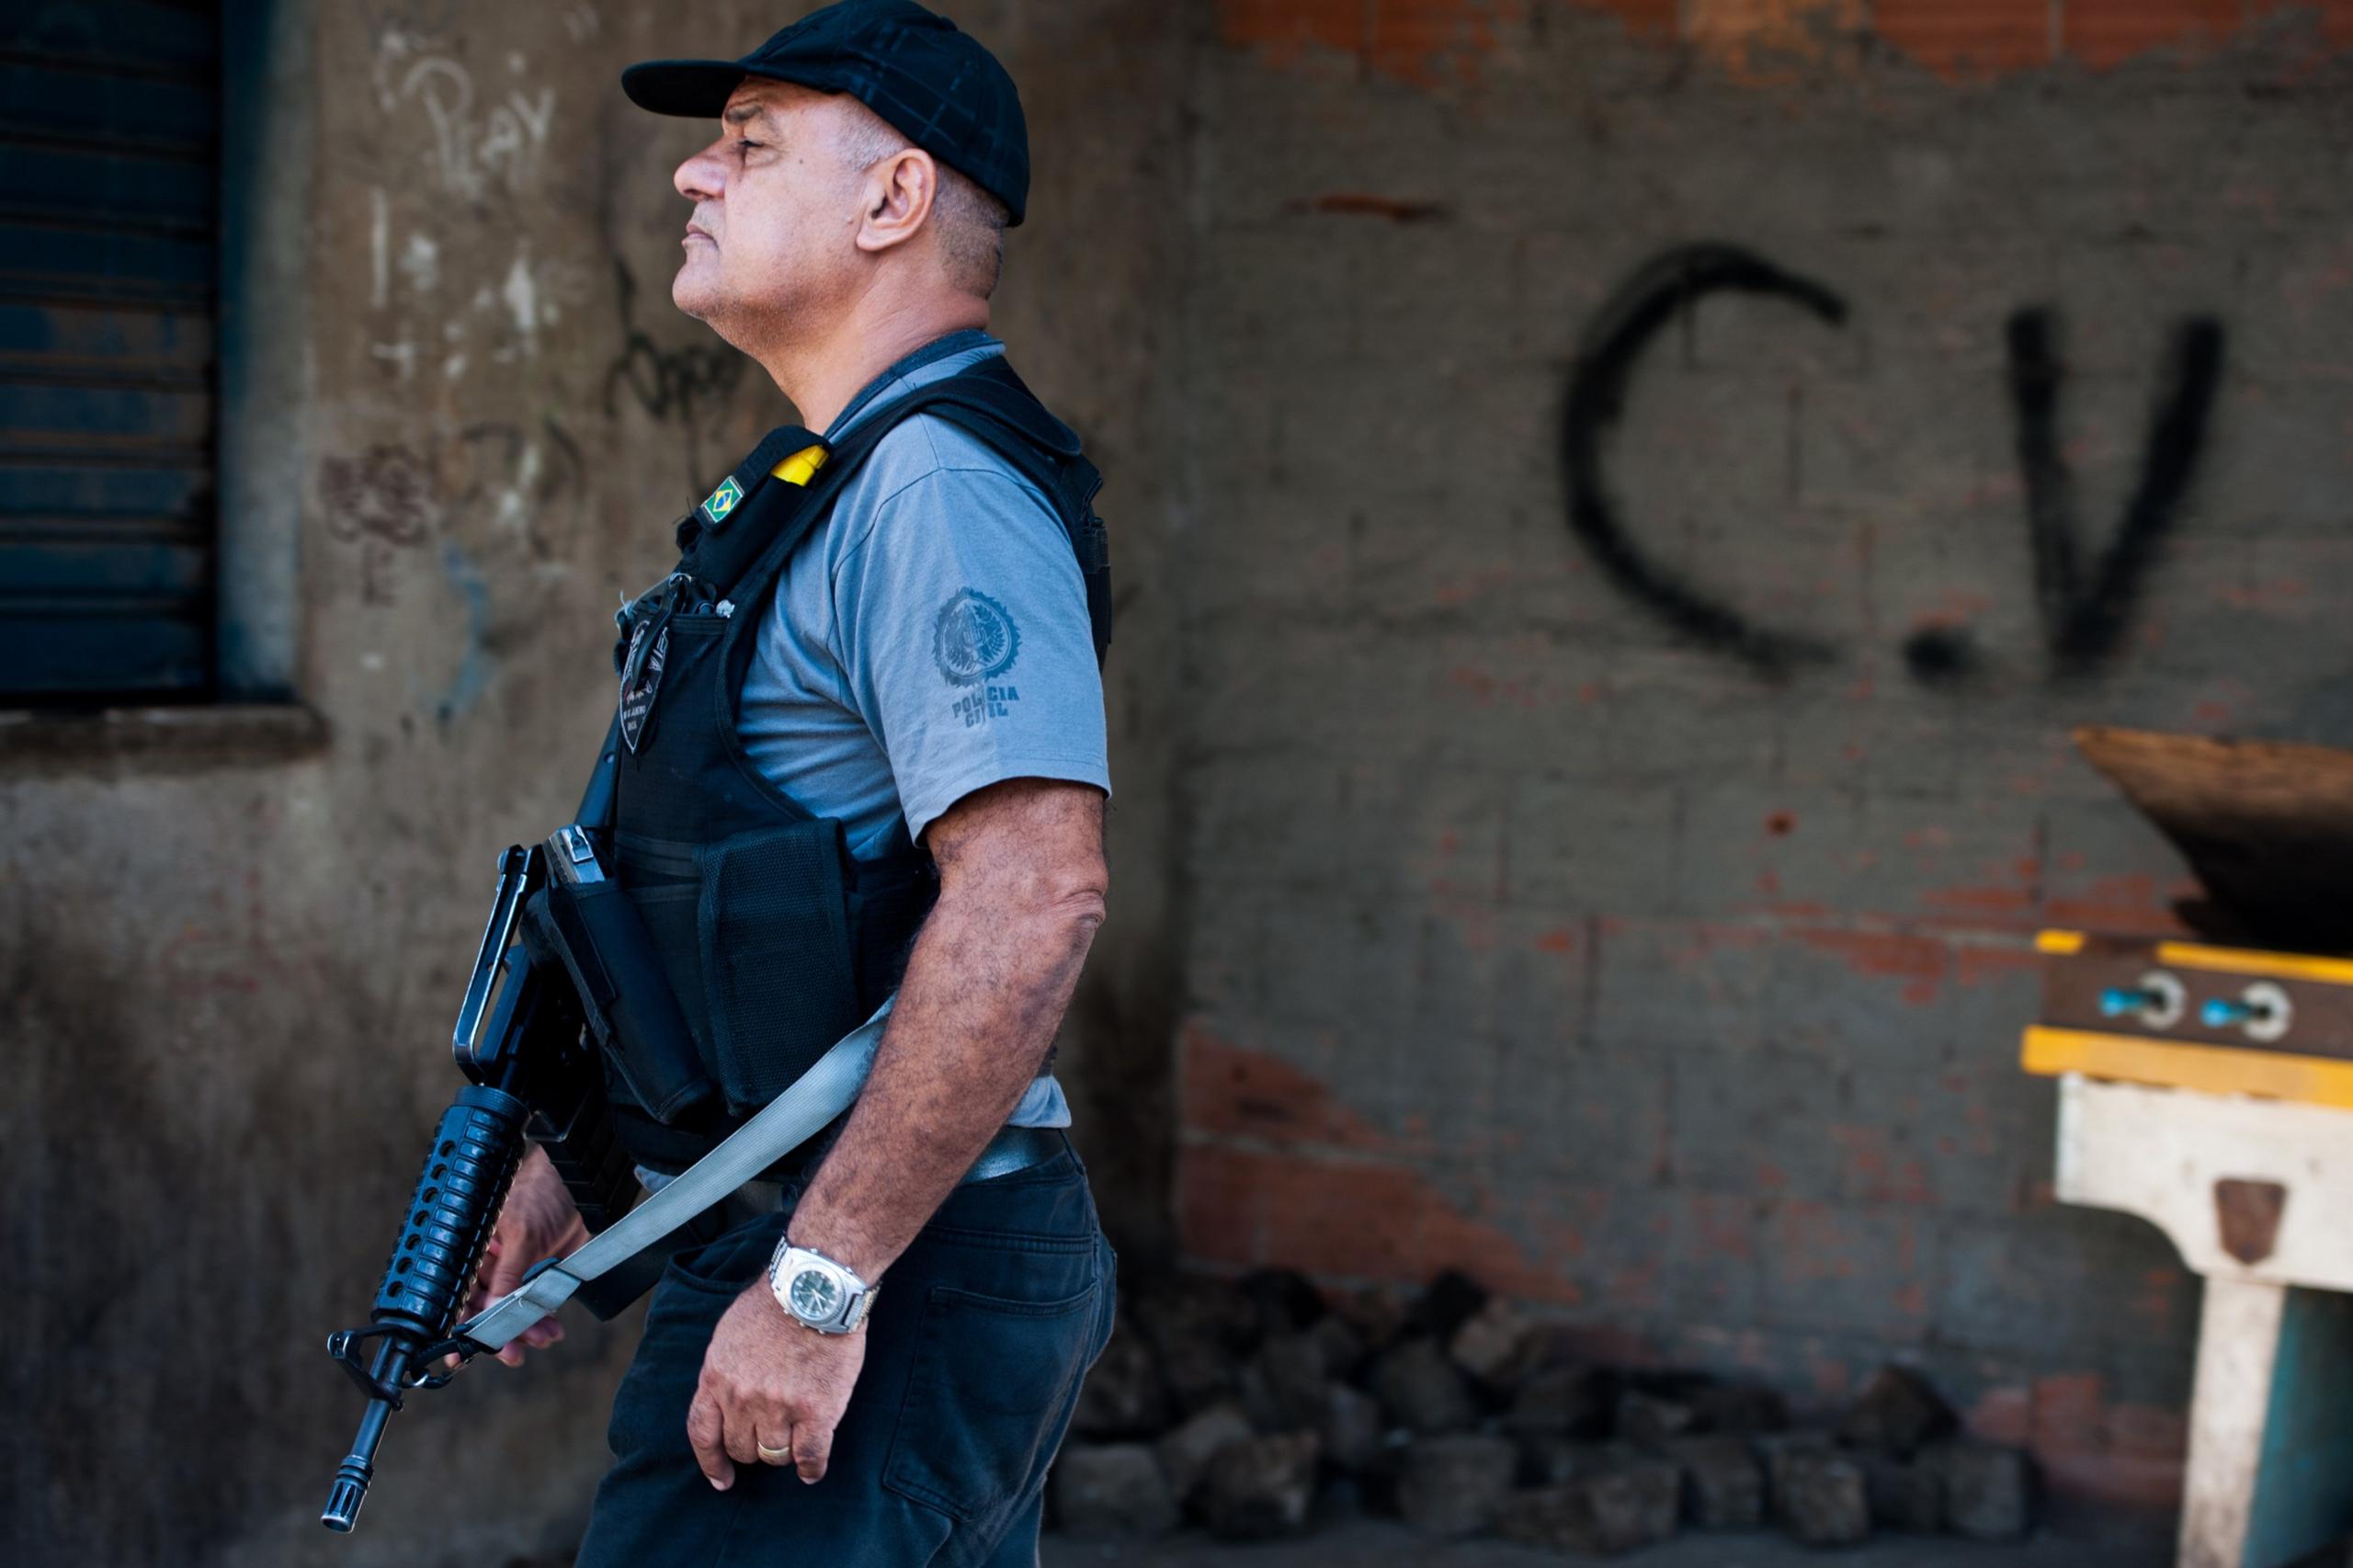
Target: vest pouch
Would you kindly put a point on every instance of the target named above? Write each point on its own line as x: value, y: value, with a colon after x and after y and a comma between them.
x: 631, y: 1009
x: 777, y: 960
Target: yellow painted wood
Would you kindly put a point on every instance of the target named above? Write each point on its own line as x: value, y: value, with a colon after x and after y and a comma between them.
x: 2213, y: 1069
x: 2243, y: 961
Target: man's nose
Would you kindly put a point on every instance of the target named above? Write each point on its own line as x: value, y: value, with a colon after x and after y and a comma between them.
x: 701, y: 177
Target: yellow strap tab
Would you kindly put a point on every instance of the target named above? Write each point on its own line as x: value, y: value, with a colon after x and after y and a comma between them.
x: 802, y: 465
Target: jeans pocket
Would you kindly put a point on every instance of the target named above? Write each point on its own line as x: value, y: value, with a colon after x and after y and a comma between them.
x: 990, y: 1385
x: 731, y: 1261
x: 649, y: 1412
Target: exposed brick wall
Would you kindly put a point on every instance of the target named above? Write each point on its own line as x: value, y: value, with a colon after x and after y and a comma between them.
x: 1428, y: 41
x: 1533, y: 936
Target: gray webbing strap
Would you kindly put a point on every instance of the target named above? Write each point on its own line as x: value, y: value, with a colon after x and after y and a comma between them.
x: 781, y: 1126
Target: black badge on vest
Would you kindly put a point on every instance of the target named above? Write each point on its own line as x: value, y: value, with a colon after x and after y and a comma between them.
x: 641, y: 677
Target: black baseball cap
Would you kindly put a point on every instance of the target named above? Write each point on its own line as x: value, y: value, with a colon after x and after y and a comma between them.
x: 939, y: 87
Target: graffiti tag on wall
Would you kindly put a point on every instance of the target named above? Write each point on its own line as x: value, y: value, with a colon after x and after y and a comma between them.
x: 2085, y: 610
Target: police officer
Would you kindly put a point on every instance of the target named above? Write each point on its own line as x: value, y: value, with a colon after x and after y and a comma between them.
x: 860, y: 747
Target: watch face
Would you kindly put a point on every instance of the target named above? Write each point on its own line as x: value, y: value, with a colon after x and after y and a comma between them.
x: 816, y: 1296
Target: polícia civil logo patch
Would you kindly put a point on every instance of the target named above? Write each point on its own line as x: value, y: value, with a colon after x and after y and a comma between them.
x: 975, y: 641
x: 975, y: 638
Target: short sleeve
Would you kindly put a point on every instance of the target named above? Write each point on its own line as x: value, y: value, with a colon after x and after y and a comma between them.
x: 963, y: 633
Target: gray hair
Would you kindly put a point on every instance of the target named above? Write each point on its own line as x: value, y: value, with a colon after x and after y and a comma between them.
x: 971, y: 222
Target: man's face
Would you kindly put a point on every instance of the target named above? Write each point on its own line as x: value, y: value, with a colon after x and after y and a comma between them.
x: 776, y: 205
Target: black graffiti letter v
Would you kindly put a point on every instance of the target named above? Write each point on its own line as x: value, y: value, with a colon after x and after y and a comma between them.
x: 2084, y: 620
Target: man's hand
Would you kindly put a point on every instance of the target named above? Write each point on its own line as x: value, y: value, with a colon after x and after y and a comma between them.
x: 769, y: 1381
x: 538, y: 1221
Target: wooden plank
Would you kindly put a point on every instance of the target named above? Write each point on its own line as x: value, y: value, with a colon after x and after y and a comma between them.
x: 2049, y: 1052
x: 2266, y: 825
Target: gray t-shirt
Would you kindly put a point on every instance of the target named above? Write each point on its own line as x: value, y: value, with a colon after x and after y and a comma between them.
x: 929, y: 639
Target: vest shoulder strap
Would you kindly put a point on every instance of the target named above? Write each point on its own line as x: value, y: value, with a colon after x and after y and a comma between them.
x: 988, y: 402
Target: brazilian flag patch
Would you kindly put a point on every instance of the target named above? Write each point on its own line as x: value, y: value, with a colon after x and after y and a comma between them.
x: 722, y: 501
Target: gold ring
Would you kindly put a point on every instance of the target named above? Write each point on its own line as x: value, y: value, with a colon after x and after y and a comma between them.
x: 774, y: 1455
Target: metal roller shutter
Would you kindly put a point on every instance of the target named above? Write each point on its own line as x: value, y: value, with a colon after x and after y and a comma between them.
x: 109, y: 115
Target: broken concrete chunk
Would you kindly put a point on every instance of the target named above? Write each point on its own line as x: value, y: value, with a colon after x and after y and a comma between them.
x: 1453, y: 1485
x: 1351, y: 1428
x: 1821, y: 1500
x: 1341, y: 1343
x: 1186, y: 1451
x: 1422, y: 1390
x: 1559, y: 1402
x: 1124, y: 1396
x: 1618, y: 1509
x: 1904, y: 1496
x: 1287, y: 1378
x: 1452, y: 1300
x: 1491, y: 1342
x: 1650, y: 1419
x: 1988, y: 1489
x: 1111, y: 1489
x: 1285, y: 1301
x: 1259, y: 1488
x: 1775, y: 1450
x: 1742, y: 1408
x: 1896, y: 1413
x: 1723, y: 1486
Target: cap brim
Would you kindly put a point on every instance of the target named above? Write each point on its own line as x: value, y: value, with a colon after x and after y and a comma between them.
x: 693, y: 89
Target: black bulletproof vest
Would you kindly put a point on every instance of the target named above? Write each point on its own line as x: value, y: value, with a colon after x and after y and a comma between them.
x: 776, y: 941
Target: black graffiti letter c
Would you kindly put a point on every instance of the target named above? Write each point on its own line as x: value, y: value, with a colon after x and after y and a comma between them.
x: 1613, y: 342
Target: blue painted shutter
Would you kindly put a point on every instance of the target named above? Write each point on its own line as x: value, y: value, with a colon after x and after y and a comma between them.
x: 109, y: 115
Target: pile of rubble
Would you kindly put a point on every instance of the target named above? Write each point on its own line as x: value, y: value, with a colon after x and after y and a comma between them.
x: 1239, y: 1405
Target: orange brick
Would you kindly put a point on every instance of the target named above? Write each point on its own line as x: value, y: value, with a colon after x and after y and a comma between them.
x: 1231, y: 1089
x: 1217, y: 1206
x: 1963, y: 38
x: 1283, y: 30
x: 1244, y: 1207
x: 1416, y: 39
x: 2104, y: 33
x: 1654, y: 20
x: 1346, y: 1218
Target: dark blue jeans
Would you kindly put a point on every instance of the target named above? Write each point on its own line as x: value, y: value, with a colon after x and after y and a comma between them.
x: 975, y: 1347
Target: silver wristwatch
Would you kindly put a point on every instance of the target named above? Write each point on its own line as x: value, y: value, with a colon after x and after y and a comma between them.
x: 826, y: 1295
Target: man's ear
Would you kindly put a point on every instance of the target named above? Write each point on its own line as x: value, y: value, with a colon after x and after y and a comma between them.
x: 898, y: 195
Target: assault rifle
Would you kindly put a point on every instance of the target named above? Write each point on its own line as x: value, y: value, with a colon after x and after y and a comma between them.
x: 533, y: 1077
x: 531, y: 1039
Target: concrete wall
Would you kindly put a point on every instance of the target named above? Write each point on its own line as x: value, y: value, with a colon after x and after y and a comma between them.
x: 231, y: 949
x: 1640, y: 917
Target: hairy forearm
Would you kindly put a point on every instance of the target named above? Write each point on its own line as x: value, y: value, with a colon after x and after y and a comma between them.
x: 989, y: 978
